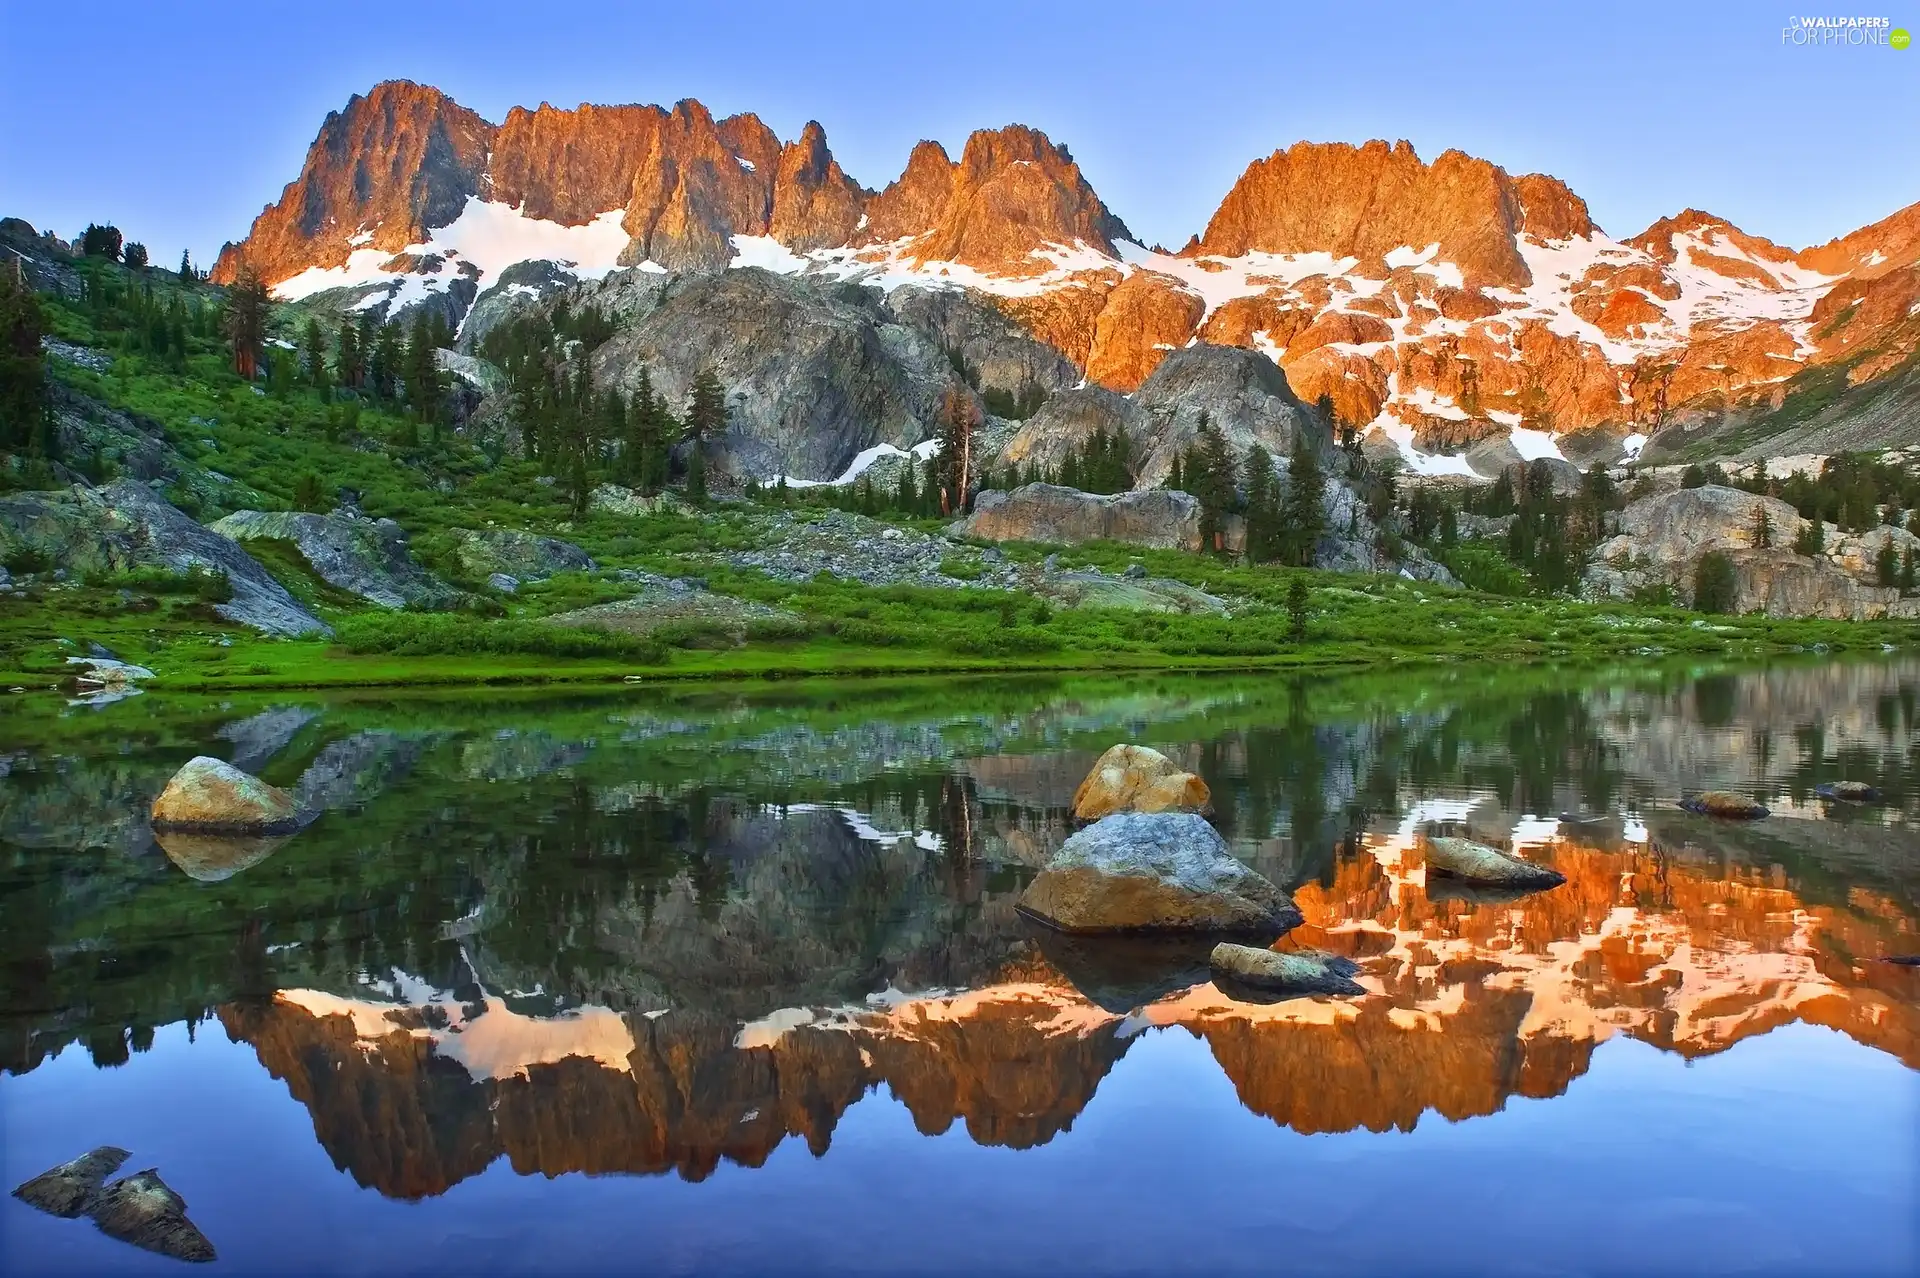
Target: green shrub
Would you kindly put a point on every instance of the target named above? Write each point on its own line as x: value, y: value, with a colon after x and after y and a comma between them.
x: 1716, y: 587
x: 435, y: 634
x: 208, y: 585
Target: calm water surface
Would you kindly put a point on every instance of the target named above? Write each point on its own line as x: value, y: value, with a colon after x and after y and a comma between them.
x: 732, y: 981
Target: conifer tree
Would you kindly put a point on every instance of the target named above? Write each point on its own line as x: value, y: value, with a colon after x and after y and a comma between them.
x: 1303, y: 511
x: 1886, y: 565
x: 697, y: 475
x: 186, y: 268
x: 959, y: 421
x: 422, y: 374
x: 313, y: 349
x: 1263, y: 507
x: 1762, y: 528
x: 26, y: 415
x: 347, y: 367
x: 1906, y: 572
x: 706, y: 406
x: 246, y: 320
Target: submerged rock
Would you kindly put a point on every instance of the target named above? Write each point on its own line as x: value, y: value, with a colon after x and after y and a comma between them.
x: 143, y: 1210
x: 1477, y: 863
x: 140, y: 1209
x: 1302, y: 971
x: 1726, y: 804
x: 1155, y: 872
x: 210, y: 796
x: 1131, y: 778
x: 67, y: 1189
x: 1849, y: 792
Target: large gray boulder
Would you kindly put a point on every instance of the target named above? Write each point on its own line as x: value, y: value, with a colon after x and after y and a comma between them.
x: 1157, y: 517
x: 524, y: 556
x: 1660, y: 540
x: 127, y: 525
x: 368, y: 557
x: 1162, y: 872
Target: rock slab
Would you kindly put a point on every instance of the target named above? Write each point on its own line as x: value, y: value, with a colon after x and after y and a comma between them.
x: 1164, y: 872
x: 1302, y: 971
x: 1156, y: 518
x: 1477, y: 863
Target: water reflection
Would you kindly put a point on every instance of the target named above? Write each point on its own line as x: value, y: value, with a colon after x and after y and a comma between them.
x: 652, y: 933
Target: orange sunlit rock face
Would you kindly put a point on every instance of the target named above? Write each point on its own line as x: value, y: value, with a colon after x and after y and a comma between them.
x: 1470, y: 1002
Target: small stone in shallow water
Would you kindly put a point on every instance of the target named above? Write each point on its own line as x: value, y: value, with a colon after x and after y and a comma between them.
x: 1298, y: 971
x: 1726, y: 804
x: 1477, y: 863
x: 1849, y: 792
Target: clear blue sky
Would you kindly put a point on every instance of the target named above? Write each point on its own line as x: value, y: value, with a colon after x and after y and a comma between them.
x: 178, y: 121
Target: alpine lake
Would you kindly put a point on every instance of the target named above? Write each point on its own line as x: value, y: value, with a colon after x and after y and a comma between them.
x: 731, y: 979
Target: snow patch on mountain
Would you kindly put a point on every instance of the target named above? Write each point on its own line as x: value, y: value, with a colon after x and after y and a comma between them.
x: 489, y: 235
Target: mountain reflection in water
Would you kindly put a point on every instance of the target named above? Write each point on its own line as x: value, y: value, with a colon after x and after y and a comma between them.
x: 657, y: 933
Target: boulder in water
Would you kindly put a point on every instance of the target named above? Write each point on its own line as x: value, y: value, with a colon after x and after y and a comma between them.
x: 1477, y: 863
x: 1131, y: 778
x: 210, y: 796
x: 1301, y: 971
x: 1161, y: 872
x: 1849, y: 792
x: 143, y: 1210
x: 1726, y: 804
x: 67, y: 1189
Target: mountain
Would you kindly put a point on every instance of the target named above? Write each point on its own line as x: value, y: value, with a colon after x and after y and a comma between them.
x: 1461, y: 316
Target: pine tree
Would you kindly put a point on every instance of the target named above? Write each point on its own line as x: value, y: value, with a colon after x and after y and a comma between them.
x: 1906, y: 572
x: 697, y: 475
x: 135, y: 256
x: 313, y: 349
x: 959, y: 422
x: 186, y: 268
x: 1886, y: 564
x: 26, y: 415
x: 347, y: 366
x: 422, y: 374
x: 1297, y: 609
x: 1812, y: 539
x: 1263, y: 507
x: 706, y: 407
x: 905, y: 496
x: 1303, y: 511
x: 1715, y: 584
x: 1210, y: 478
x: 1762, y: 528
x: 246, y: 322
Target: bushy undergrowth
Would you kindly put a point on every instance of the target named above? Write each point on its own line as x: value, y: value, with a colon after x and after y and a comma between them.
x: 414, y: 634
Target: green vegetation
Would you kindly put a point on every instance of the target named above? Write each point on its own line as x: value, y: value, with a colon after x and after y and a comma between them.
x: 359, y: 413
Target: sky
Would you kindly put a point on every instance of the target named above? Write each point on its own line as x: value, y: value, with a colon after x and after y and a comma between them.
x: 179, y: 121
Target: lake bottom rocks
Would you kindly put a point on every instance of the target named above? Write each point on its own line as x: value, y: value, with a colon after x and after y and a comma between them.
x: 1724, y: 804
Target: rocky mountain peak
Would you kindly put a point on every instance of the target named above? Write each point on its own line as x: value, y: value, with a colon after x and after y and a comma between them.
x: 815, y: 204
x: 396, y: 162
x: 1013, y: 191
x: 1367, y: 201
